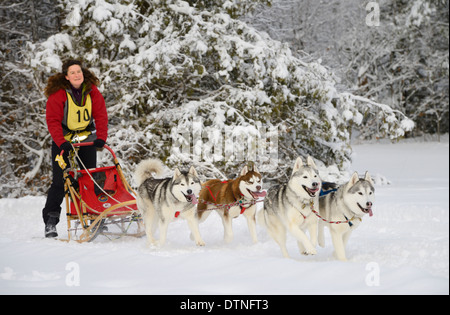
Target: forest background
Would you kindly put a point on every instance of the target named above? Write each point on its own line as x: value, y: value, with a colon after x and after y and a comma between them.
x: 303, y: 77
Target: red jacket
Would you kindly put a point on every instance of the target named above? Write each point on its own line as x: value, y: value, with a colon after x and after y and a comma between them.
x: 55, y: 114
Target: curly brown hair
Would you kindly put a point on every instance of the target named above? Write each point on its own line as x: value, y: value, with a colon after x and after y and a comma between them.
x: 58, y: 81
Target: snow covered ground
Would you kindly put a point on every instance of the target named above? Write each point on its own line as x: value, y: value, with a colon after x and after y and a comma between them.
x: 402, y: 249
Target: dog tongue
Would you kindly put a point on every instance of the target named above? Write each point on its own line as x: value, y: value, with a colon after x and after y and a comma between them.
x: 259, y: 194
x: 194, y: 200
x: 370, y: 212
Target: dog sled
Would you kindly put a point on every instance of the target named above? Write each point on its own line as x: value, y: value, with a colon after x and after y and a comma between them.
x: 99, y: 201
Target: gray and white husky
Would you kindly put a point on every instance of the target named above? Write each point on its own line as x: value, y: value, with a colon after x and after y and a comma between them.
x: 160, y: 201
x: 288, y: 207
x: 342, y: 211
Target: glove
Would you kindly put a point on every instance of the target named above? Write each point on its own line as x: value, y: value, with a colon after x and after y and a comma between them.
x: 63, y: 160
x: 99, y: 143
x: 66, y: 146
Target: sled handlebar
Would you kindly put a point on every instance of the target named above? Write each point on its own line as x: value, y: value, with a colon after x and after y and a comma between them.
x: 88, y: 144
x: 59, y: 158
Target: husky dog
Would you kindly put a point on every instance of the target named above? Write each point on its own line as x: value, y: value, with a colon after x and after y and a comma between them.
x: 342, y: 211
x: 231, y: 198
x: 288, y: 207
x: 160, y: 201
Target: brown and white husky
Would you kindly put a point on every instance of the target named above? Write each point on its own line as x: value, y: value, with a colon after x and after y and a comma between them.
x: 231, y: 198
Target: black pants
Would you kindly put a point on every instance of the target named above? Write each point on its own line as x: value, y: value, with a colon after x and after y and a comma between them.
x: 55, y: 194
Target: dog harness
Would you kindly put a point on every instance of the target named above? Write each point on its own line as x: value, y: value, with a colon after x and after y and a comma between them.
x: 349, y: 221
x: 211, y: 193
x: 227, y: 206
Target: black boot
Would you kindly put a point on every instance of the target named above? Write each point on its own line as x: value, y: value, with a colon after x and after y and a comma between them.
x: 50, y: 228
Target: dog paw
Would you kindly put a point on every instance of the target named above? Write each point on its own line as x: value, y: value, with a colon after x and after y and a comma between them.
x: 200, y: 243
x: 153, y: 245
x: 311, y: 251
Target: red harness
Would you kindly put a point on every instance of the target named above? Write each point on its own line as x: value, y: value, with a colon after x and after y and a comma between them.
x: 210, y: 191
x: 215, y: 197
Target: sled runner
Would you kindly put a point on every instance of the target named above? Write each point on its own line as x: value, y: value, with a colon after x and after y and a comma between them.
x: 99, y: 201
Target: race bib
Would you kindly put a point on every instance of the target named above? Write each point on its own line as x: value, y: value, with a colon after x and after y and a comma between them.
x: 78, y: 117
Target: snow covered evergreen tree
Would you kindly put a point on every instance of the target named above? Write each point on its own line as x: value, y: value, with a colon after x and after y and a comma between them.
x: 23, y: 132
x: 187, y: 82
x: 402, y: 60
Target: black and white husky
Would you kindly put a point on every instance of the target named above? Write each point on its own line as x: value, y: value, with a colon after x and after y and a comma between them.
x: 342, y: 211
x: 289, y: 207
x: 160, y: 201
